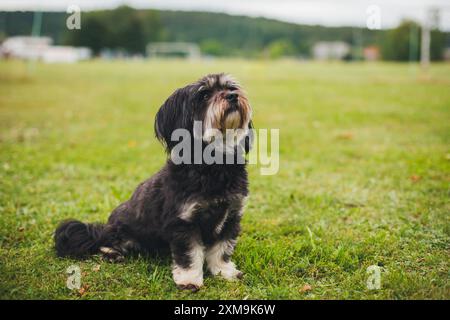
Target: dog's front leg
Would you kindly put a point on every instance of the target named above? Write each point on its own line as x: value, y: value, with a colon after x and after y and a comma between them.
x: 187, y: 268
x: 218, y: 259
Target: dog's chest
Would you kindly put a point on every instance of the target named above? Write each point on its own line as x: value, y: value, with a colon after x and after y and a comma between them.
x: 214, y: 216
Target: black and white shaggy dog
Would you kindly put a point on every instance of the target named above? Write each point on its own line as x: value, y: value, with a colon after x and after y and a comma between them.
x: 193, y: 210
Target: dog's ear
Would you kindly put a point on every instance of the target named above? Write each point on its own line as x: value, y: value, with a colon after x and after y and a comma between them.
x: 248, y: 140
x: 175, y: 113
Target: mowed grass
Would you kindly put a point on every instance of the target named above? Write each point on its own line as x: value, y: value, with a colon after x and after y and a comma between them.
x: 363, y: 178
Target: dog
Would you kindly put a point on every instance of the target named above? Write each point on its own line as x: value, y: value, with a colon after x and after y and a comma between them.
x: 192, y: 211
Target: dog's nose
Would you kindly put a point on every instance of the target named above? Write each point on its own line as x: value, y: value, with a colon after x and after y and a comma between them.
x: 232, y: 97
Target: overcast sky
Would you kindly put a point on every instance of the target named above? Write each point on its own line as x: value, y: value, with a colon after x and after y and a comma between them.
x: 324, y: 12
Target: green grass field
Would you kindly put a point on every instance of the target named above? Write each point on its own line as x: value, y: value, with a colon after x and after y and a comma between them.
x: 363, y: 180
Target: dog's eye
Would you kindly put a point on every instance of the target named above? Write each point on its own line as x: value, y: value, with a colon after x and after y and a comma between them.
x: 205, y: 95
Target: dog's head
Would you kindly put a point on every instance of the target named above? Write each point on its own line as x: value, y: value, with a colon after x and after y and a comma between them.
x: 217, y: 100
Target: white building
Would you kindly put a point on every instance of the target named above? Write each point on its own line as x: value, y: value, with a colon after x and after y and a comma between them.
x: 27, y: 48
x: 64, y: 54
x: 41, y: 48
x: 334, y: 50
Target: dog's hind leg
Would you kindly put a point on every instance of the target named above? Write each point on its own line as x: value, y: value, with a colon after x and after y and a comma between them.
x: 118, y: 251
x: 117, y: 242
x: 111, y: 254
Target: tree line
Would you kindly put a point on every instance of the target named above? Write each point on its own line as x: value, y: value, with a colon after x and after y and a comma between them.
x: 130, y: 30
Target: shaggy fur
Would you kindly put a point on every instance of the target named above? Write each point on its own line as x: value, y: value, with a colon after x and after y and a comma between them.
x: 193, y: 210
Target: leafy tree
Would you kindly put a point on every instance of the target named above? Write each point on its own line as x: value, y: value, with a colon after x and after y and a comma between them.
x: 212, y: 47
x: 280, y: 48
x: 396, y: 44
x: 437, y: 45
x: 92, y: 34
x: 122, y: 28
x: 126, y: 30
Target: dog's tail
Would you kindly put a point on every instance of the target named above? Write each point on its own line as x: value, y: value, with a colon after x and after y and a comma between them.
x: 76, y: 239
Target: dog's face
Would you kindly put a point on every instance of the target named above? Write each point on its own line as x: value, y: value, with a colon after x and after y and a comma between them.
x: 217, y: 100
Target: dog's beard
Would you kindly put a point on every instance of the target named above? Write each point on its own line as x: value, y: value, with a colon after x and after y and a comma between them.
x: 231, y: 120
x: 221, y: 116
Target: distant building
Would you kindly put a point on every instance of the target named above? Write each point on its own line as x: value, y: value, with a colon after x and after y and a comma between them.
x: 173, y: 49
x: 118, y: 53
x: 335, y: 50
x: 27, y: 48
x: 64, y: 54
x: 371, y: 53
x: 41, y: 48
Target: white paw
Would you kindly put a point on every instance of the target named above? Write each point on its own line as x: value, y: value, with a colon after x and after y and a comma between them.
x: 190, y: 279
x: 227, y: 270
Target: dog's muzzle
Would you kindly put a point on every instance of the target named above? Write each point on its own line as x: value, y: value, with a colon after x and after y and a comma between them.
x: 232, y: 97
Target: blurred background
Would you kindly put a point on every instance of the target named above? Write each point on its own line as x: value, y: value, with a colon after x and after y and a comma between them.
x: 135, y: 29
